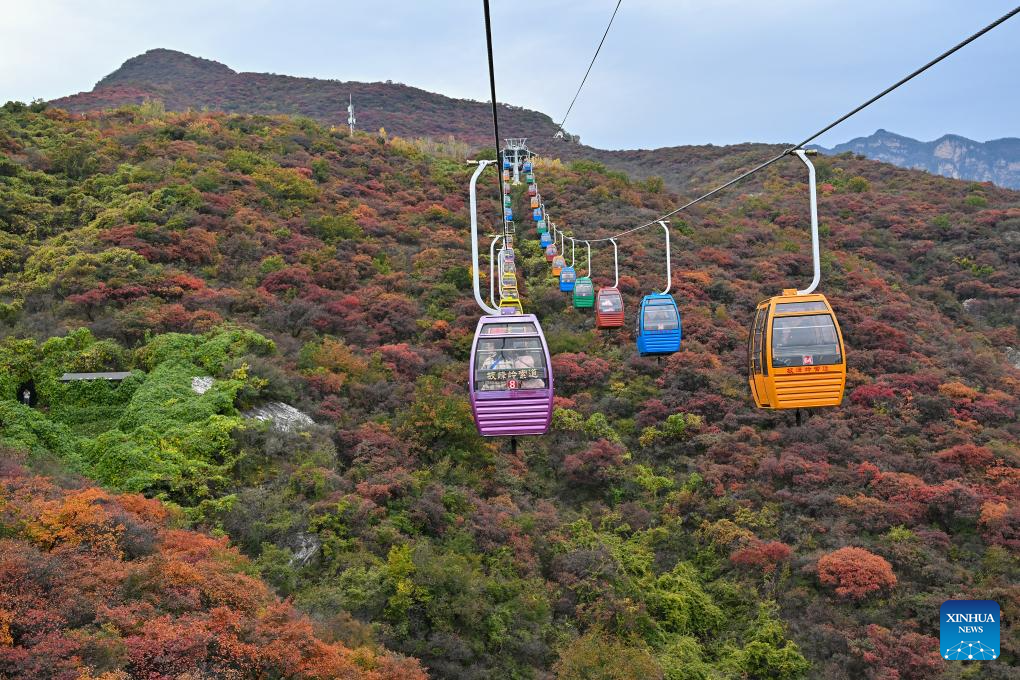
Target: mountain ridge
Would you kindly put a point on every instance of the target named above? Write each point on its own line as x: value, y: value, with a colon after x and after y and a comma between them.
x: 182, y: 81
x: 951, y: 155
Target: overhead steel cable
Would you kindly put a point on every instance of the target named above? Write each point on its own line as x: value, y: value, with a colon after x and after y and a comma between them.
x: 910, y: 77
x: 790, y: 150
x: 495, y: 114
x: 596, y: 56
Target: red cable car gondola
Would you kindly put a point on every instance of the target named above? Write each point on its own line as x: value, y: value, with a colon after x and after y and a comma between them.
x: 609, y: 301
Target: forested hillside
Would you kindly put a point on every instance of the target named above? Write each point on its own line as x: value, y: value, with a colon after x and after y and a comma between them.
x: 663, y: 529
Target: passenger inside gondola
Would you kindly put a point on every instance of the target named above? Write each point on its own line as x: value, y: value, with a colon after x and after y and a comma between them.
x: 491, y: 356
x: 527, y: 361
x: 610, y: 302
x: 805, y: 341
x: 509, y: 363
x: 660, y: 318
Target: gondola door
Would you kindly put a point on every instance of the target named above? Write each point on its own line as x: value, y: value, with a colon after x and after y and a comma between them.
x: 757, y: 356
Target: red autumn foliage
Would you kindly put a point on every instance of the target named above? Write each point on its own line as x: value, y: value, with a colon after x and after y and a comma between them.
x: 596, y: 464
x: 89, y: 579
x: 855, y: 572
x: 964, y: 456
x: 900, y: 655
x: 872, y: 395
x: 761, y: 555
x: 578, y: 371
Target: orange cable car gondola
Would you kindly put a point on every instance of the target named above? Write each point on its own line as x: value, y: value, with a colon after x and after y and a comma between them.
x: 795, y: 353
x: 558, y: 264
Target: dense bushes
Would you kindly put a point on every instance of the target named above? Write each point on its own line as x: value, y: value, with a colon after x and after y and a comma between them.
x: 101, y: 586
x: 662, y: 525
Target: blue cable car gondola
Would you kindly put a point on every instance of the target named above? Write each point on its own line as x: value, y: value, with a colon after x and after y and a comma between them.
x: 658, y: 328
x: 567, y: 278
x: 545, y: 239
x: 658, y: 324
x: 508, y: 214
x: 537, y: 214
x: 507, y: 165
x: 527, y: 166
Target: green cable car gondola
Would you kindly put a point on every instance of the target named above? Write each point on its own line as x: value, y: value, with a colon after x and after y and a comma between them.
x: 584, y: 288
x: 584, y: 293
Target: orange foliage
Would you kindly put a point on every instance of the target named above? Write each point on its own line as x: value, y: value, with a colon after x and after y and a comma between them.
x: 153, y: 601
x: 958, y: 391
x: 855, y: 572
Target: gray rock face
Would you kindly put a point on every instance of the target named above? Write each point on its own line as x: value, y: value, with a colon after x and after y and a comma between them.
x: 282, y: 417
x: 997, y: 160
x: 1013, y: 356
x: 201, y: 384
x: 307, y: 546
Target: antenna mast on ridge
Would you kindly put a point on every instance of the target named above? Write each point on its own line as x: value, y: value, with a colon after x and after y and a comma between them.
x: 351, y: 120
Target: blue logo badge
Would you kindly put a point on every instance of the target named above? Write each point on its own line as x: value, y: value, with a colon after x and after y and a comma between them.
x: 969, y: 630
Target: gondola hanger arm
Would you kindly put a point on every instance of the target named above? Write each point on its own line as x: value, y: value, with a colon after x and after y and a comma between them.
x: 815, y: 249
x: 669, y: 272
x: 616, y: 264
x: 473, y: 201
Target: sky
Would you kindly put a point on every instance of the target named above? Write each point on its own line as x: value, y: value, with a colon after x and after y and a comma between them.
x: 671, y: 72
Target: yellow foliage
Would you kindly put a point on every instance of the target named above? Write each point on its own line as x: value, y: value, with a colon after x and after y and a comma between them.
x: 958, y: 391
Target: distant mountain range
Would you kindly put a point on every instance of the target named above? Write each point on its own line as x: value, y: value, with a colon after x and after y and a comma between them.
x: 996, y: 161
x: 182, y: 81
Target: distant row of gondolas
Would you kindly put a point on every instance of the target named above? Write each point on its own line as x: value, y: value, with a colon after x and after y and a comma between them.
x: 795, y: 348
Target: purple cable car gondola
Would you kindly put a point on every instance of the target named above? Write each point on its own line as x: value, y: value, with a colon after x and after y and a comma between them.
x: 511, y: 380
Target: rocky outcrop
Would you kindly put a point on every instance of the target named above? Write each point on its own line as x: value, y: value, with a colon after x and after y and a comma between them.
x: 996, y: 161
x: 282, y: 417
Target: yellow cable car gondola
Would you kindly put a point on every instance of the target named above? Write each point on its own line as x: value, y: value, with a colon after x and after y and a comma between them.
x: 510, y: 305
x: 795, y: 353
